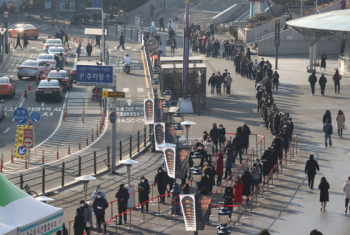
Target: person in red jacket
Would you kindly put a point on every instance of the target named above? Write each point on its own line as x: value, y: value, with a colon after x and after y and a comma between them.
x: 336, y: 80
x: 238, y: 190
x: 219, y: 168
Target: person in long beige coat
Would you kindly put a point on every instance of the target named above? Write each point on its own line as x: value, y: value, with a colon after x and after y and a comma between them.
x: 340, y: 122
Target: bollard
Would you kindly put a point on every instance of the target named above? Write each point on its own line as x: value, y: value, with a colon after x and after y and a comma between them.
x: 43, y: 159
x: 11, y: 155
x: 82, y: 118
x: 79, y: 143
x: 29, y: 86
x: 159, y: 207
x: 92, y: 135
x: 26, y: 164
x: 25, y: 93
x: 87, y: 138
x: 1, y: 164
x: 116, y: 225
x: 37, y: 79
x: 96, y: 130
x: 272, y: 186
x: 245, y: 210
x: 130, y: 218
x: 286, y: 160
x: 239, y: 210
x: 111, y: 209
x: 69, y: 225
x: 68, y: 147
x: 57, y: 153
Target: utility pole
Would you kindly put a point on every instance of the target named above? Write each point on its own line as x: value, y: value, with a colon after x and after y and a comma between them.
x: 114, y: 129
x: 186, y: 51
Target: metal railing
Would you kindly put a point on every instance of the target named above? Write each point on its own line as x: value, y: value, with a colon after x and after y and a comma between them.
x: 97, y: 161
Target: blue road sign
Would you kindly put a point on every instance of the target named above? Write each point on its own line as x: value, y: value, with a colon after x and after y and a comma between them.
x: 97, y: 3
x: 35, y: 116
x: 94, y: 75
x: 21, y: 115
x: 22, y: 150
x: 112, y: 117
x: 151, y: 29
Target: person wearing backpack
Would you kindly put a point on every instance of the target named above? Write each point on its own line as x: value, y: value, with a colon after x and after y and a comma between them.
x: 328, y: 131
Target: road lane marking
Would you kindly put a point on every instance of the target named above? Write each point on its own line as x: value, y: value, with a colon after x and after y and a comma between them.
x: 42, y: 104
x: 125, y: 89
x: 139, y: 89
x: 6, y: 130
x: 144, y: 69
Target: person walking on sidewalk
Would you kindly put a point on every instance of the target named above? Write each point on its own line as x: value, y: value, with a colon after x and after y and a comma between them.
x: 340, y: 118
x: 97, y: 41
x: 327, y: 116
x: 143, y: 189
x: 310, y: 169
x: 78, y: 51
x: 312, y: 81
x: 322, y: 81
x: 336, y: 79
x: 100, y: 205
x: 214, y: 134
x: 245, y: 136
x: 219, y: 81
x: 161, y: 180
x: 123, y: 196
x: 121, y: 41
x: 328, y: 131
x: 161, y: 23
x: 324, y: 195
x: 227, y: 83
x: 222, y: 137
x: 346, y: 190
x: 275, y: 80
x: 18, y: 43
x: 212, y: 81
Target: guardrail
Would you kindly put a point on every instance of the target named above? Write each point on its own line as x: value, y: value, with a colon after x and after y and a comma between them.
x: 97, y: 161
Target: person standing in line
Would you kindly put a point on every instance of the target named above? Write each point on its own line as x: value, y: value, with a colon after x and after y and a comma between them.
x: 328, y: 131
x: 212, y: 81
x: 245, y: 136
x: 340, y: 118
x: 346, y: 190
x: 98, y: 189
x: 327, y: 116
x: 228, y: 197
x: 227, y: 82
x: 86, y: 212
x: 18, y: 43
x: 79, y: 223
x: 219, y: 168
x: 324, y: 195
x: 89, y: 49
x: 310, y: 169
x: 222, y: 135
x: 247, y: 183
x: 322, y: 81
x: 161, y: 180
x: 323, y: 61
x: 336, y: 79
x: 123, y: 196
x: 214, y: 134
x: 100, y: 205
x: 238, y: 190
x: 275, y: 80
x: 121, y: 41
x: 228, y: 163
x: 143, y: 189
x: 238, y: 143
x: 312, y: 81
x: 255, y: 171
x: 161, y: 23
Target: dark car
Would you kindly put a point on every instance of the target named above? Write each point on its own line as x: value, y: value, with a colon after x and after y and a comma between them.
x: 49, y: 89
x: 63, y: 78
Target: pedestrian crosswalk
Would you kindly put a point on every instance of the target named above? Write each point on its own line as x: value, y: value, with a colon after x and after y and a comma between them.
x: 130, y: 114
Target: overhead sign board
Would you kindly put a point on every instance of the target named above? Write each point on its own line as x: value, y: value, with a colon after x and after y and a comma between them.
x: 21, y: 115
x: 97, y: 3
x: 94, y: 75
x: 22, y: 141
x: 115, y: 94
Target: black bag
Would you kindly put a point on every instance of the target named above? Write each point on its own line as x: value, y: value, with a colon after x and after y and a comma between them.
x: 168, y: 42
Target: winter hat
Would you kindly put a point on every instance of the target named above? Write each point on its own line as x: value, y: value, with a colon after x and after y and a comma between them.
x: 160, y: 168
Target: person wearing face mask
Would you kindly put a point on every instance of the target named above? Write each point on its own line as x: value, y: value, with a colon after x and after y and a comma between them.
x: 272, y: 112
x: 286, y: 137
x: 291, y: 127
x: 161, y: 180
x: 238, y: 143
x: 204, y: 186
x: 219, y: 168
x: 259, y: 75
x: 275, y: 80
x: 259, y: 96
x: 79, y: 223
x: 214, y: 134
x: 123, y: 196
x: 100, y: 205
x: 254, y: 67
x: 86, y: 212
x: 143, y: 189
x: 222, y: 137
x: 98, y: 189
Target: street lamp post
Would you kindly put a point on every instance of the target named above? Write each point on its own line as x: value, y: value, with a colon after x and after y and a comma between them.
x: 103, y: 32
x: 224, y: 216
x: 197, y: 176
x: 155, y: 86
x: 187, y: 125
x: 85, y: 179
x: 176, y: 189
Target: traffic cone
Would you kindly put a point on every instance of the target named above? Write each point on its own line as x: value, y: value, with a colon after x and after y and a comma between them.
x: 29, y: 86
x: 37, y: 79
x: 43, y: 77
x: 43, y: 70
x: 25, y: 93
x: 49, y: 69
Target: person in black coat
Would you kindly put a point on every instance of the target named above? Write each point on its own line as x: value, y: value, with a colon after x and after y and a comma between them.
x: 310, y: 169
x: 121, y: 41
x: 286, y: 137
x: 275, y: 80
x: 278, y: 145
x: 247, y: 183
x: 327, y: 116
x: 214, y: 134
x: 204, y: 186
x: 97, y: 41
x: 161, y: 180
x: 18, y: 43
x: 276, y: 123
x: 245, y: 136
x: 78, y: 223
x: 143, y: 189
x: 322, y: 81
x: 312, y: 81
x: 123, y: 196
x: 267, y: 162
x: 100, y: 205
x: 229, y: 149
x: 25, y: 40
x: 228, y: 196
x: 212, y: 82
x: 323, y: 60
x: 89, y: 49
x: 222, y: 137
x: 238, y: 144
x: 324, y: 195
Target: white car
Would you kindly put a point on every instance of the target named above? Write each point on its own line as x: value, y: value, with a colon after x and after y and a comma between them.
x: 57, y: 51
x: 49, y: 59
x: 52, y: 42
x: 31, y: 68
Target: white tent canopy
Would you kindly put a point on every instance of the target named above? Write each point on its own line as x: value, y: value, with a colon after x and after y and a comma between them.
x: 22, y: 211
x: 7, y: 230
